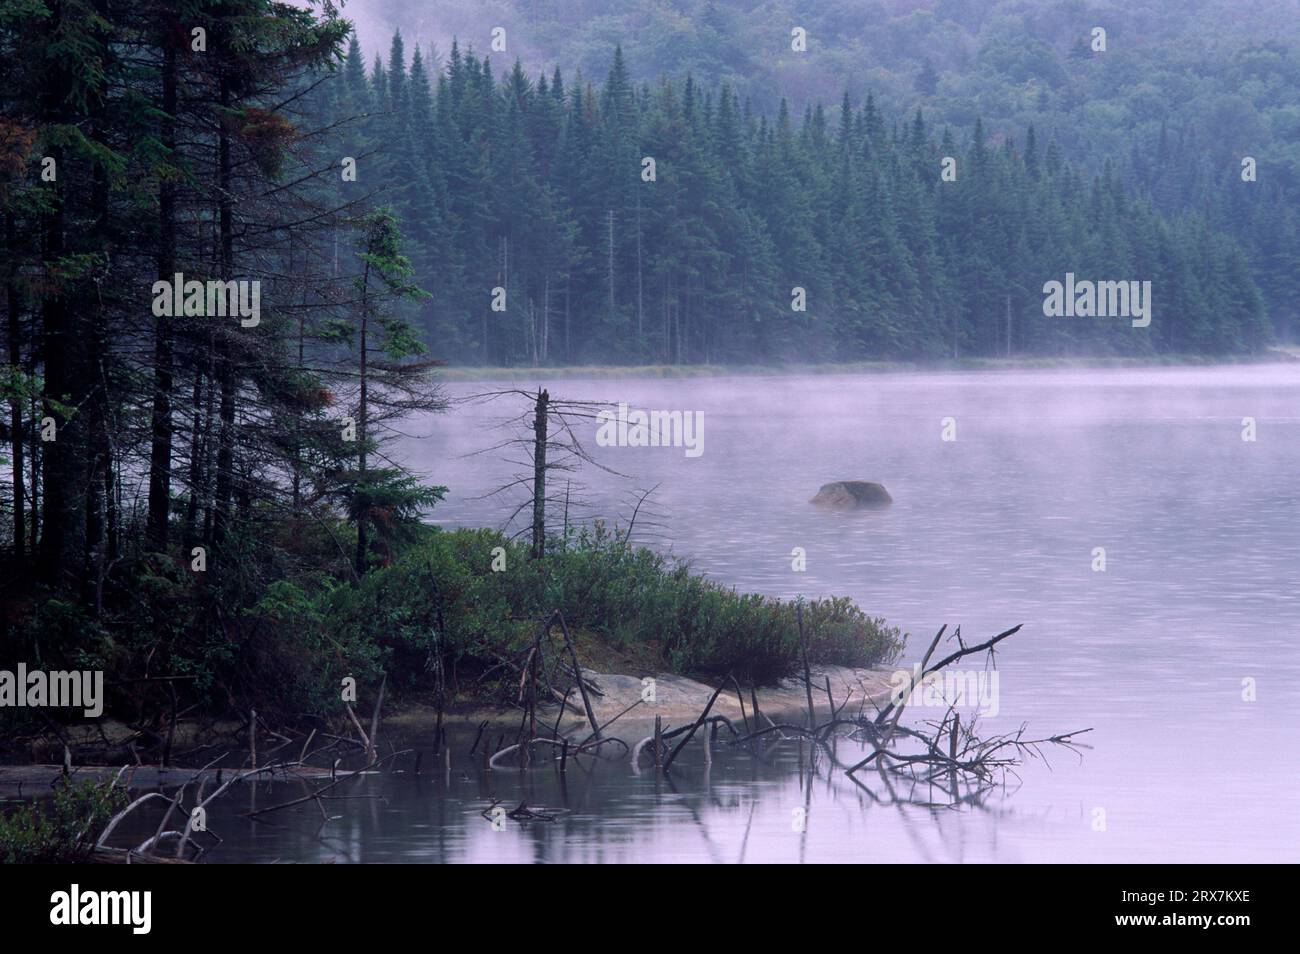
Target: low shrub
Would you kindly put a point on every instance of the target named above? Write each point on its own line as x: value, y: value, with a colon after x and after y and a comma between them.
x: 443, y: 597
x: 269, y: 627
x: 62, y: 829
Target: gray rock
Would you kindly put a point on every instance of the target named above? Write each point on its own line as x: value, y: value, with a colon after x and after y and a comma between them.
x: 850, y: 494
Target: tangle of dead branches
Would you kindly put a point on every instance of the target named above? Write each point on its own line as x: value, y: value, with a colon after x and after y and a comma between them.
x: 943, y: 752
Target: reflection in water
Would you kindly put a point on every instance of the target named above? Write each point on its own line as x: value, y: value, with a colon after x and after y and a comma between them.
x: 999, y: 527
x: 772, y: 800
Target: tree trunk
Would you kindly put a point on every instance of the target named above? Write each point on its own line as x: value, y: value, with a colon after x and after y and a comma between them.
x: 546, y: 318
x: 196, y: 460
x: 15, y: 401
x: 640, y: 303
x: 611, y: 265
x: 98, y: 440
x: 160, y: 453
x: 225, y: 366
x: 36, y: 461
x: 1008, y: 326
x: 363, y: 541
x: 539, y: 475
x: 66, y: 458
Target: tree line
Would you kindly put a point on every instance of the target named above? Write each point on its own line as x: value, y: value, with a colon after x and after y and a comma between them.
x: 557, y: 221
x: 1175, y: 95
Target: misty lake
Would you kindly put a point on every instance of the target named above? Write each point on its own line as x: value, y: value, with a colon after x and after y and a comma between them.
x: 998, y: 527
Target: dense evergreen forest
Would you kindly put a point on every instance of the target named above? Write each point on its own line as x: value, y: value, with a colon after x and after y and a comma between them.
x: 540, y: 186
x: 234, y: 253
x: 239, y: 242
x: 205, y: 361
x: 1166, y: 113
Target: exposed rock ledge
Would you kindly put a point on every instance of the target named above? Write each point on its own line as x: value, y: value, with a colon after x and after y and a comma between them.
x: 678, y: 700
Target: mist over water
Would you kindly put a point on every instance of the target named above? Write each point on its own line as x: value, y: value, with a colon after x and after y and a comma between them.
x: 996, y: 528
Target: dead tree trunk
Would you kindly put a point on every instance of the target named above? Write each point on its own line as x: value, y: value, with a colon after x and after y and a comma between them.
x: 807, y: 672
x: 539, y: 475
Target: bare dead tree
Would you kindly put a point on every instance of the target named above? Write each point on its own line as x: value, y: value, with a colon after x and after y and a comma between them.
x: 539, y: 474
x: 547, y: 436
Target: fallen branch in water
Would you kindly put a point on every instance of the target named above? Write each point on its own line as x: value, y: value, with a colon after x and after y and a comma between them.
x: 315, y: 795
x: 146, y: 847
x: 882, y: 749
x: 374, y: 719
x: 950, y: 748
x: 492, y: 762
x: 612, y: 721
x: 558, y: 617
x: 523, y: 813
x: 571, y: 751
x: 694, y: 728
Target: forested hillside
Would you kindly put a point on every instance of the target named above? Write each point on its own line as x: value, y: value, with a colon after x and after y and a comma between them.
x: 540, y: 186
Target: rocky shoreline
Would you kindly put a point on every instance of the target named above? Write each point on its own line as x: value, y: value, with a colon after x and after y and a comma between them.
x: 676, y: 699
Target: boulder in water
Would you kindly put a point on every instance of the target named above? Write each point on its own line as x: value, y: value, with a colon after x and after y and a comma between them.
x: 852, y: 494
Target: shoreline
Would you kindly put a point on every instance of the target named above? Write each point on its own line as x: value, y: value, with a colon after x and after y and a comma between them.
x: 679, y: 701
x: 1287, y: 355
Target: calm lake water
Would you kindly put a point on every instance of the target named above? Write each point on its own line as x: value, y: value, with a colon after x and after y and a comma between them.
x: 1199, y: 593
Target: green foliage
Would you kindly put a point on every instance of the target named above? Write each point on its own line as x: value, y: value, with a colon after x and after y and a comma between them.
x: 441, y: 601
x: 17, y: 385
x: 59, y: 634
x: 533, y: 184
x: 62, y: 829
x: 267, y: 629
x: 399, y: 339
x: 302, y: 651
x: 389, y: 501
x: 382, y: 254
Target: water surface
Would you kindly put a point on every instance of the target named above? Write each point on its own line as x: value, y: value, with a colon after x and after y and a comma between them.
x: 1202, y: 548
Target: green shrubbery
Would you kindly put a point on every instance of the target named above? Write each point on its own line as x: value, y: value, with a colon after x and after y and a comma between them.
x: 269, y: 628
x: 442, y: 596
x: 248, y: 631
x: 61, y: 830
